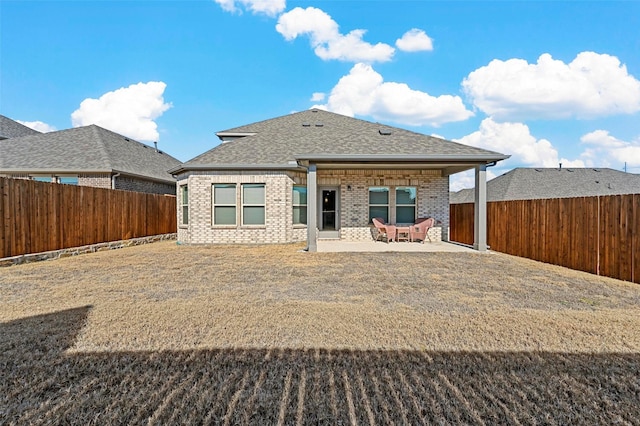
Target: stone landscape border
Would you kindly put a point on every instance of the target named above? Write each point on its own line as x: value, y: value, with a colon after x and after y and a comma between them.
x: 92, y: 248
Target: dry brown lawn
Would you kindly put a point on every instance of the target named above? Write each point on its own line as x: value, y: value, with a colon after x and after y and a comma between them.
x: 169, y: 334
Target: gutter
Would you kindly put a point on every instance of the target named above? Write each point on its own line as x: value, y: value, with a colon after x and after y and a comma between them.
x: 113, y: 180
x: 403, y: 158
x: 234, y: 166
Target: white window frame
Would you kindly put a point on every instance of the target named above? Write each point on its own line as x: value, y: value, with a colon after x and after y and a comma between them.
x: 184, y: 207
x: 214, y: 204
x: 414, y: 205
x: 298, y: 205
x: 387, y: 205
x: 263, y: 204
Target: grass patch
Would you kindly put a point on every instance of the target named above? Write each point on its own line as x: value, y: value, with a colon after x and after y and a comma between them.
x: 184, y: 334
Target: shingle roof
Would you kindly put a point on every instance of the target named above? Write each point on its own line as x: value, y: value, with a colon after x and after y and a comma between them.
x: 315, y: 133
x: 12, y: 129
x: 539, y: 183
x: 85, y: 149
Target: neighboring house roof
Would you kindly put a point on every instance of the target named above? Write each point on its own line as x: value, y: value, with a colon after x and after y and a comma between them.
x: 539, y: 183
x: 12, y: 129
x: 87, y: 149
x: 317, y: 135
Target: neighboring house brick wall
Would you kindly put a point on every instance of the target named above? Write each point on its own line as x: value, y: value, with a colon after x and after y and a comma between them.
x: 127, y: 183
x: 432, y: 201
x: 97, y: 181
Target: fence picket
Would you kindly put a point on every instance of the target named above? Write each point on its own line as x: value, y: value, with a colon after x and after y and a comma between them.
x: 41, y: 216
x: 600, y: 235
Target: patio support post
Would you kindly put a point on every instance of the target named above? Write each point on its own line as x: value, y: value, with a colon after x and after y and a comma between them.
x: 312, y: 209
x: 480, y: 209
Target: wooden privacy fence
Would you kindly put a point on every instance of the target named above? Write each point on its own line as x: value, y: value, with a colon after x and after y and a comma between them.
x: 39, y: 216
x: 600, y: 235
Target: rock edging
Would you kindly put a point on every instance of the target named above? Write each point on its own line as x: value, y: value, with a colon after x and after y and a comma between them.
x: 92, y: 248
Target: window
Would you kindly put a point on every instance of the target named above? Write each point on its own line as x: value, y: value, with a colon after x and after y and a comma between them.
x: 68, y: 180
x: 42, y: 178
x: 299, y: 205
x: 224, y: 204
x: 184, y: 202
x: 379, y: 203
x: 253, y: 204
x: 405, y: 204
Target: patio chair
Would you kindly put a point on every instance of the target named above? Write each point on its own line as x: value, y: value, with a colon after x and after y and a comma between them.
x: 420, y: 229
x: 384, y: 230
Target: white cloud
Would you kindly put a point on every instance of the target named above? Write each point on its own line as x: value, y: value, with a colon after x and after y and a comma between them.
x: 38, y: 125
x: 130, y: 111
x: 604, y: 150
x: 467, y: 179
x: 516, y: 140
x: 326, y: 40
x: 591, y: 85
x: 364, y: 92
x: 318, y: 97
x: 414, y: 40
x: 267, y: 7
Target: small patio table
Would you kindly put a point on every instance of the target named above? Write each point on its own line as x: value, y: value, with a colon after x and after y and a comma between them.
x: 403, y: 233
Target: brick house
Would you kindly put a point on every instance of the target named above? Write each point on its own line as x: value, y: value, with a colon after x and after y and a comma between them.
x: 88, y: 156
x: 315, y: 174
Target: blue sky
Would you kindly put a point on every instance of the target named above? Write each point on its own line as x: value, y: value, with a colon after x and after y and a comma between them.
x: 545, y: 82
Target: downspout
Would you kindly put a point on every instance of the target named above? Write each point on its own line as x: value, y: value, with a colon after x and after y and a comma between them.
x: 113, y: 180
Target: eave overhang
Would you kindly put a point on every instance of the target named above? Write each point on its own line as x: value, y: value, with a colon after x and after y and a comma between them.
x: 235, y: 166
x: 83, y: 171
x: 450, y: 164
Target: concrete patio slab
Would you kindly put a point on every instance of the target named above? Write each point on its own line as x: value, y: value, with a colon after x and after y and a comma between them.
x: 332, y: 246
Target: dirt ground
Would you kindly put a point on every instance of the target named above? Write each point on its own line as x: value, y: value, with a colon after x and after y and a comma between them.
x: 270, y: 334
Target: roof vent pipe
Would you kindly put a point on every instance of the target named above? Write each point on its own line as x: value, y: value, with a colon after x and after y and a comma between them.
x: 560, y: 166
x: 156, y: 145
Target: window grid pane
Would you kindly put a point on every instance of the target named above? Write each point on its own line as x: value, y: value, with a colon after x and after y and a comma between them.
x: 224, y: 215
x: 300, y: 195
x: 253, y: 194
x: 405, y: 214
x: 299, y: 215
x: 253, y: 215
x: 224, y: 195
x: 379, y: 211
x: 378, y: 195
x: 406, y: 195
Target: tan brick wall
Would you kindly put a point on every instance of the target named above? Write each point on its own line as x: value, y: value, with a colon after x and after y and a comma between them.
x: 278, y: 227
x: 97, y: 181
x: 432, y: 201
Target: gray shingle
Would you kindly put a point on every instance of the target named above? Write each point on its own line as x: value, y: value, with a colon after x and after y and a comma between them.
x: 12, y: 129
x: 539, y: 183
x: 316, y: 132
x: 85, y: 149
